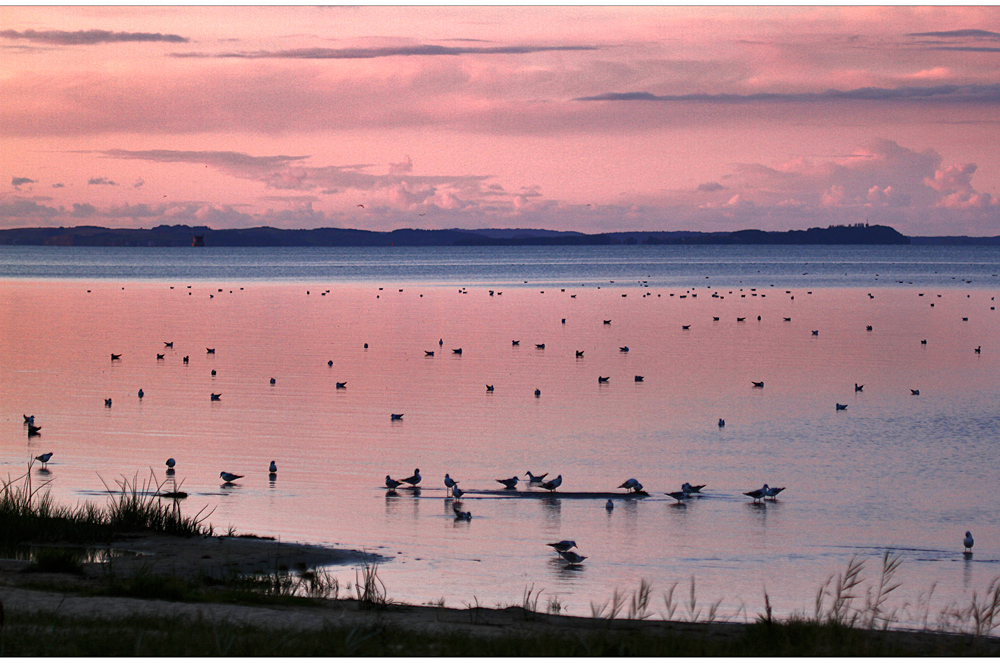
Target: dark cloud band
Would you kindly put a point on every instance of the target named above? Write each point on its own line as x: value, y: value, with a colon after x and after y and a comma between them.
x: 88, y: 37
x: 956, y: 93
x: 369, y: 53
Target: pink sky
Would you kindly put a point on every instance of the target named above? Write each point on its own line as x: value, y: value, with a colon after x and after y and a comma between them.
x: 570, y: 118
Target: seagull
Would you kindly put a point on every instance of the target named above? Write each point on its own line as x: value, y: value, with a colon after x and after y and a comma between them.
x: 923, y: 342
x: 607, y: 322
x: 579, y: 353
x: 114, y: 356
x: 773, y: 492
x: 329, y: 363
x: 391, y: 483
x: 395, y: 417
x: 639, y: 378
x: 171, y: 462
x: 508, y: 483
x: 228, y: 477
x: 415, y: 479
x: 185, y: 359
x: 141, y: 393
x: 538, y: 392
x: 552, y: 485
x: 841, y: 407
x: 457, y: 351
x: 463, y: 515
x: 722, y: 423
x: 758, y: 494
x: 690, y: 490
x: 107, y: 402
x: 788, y: 319
x: 28, y: 419
x: 515, y: 343
x: 915, y: 392
x: 979, y: 349
x: 216, y: 397
x: 815, y: 332
x: 159, y: 356
x: 449, y: 482
x: 859, y: 387
x: 341, y: 385
x: 33, y: 430
x: 168, y: 344
x: 536, y: 479
x: 685, y: 326
x: 428, y: 353
x: 210, y: 351
x: 44, y: 458
x: 457, y: 492
x: 868, y: 327
x: 679, y: 495
x: 968, y: 541
x: 272, y: 468
x: 623, y: 348
x: 631, y: 485
x: 272, y: 380
x: 562, y: 546
x: 715, y: 318
x: 489, y: 387
x: 757, y: 385
x: 602, y: 380
x: 610, y: 506
x: 440, y: 342
x: 572, y: 557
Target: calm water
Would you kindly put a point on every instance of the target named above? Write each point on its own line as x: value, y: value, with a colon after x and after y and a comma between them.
x: 893, y: 471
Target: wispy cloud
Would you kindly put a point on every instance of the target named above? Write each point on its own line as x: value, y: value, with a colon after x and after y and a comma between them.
x: 955, y: 93
x: 18, y: 182
x: 959, y: 34
x: 103, y: 181
x: 384, y: 52
x: 88, y: 37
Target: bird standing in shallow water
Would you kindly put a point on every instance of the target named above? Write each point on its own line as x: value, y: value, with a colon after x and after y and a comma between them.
x: 449, y: 482
x: 969, y: 542
x: 272, y: 468
x: 536, y: 479
x: 229, y: 477
x: 391, y: 483
x: 44, y: 458
x: 508, y: 483
x: 415, y: 479
x: 457, y: 492
x: 758, y: 494
x: 552, y: 485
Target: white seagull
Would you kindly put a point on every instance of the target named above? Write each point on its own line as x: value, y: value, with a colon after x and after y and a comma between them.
x: 508, y: 483
x: 415, y: 479
x: 969, y: 542
x: 562, y: 546
x: 631, y: 485
x: 229, y: 477
x: 758, y: 494
x: 552, y: 485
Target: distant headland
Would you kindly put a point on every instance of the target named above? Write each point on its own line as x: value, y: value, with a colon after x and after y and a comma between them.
x: 182, y: 235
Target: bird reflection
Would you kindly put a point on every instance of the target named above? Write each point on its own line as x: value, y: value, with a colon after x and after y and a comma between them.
x: 551, y: 508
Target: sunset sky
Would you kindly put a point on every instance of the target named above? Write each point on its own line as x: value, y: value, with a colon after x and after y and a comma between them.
x: 569, y: 118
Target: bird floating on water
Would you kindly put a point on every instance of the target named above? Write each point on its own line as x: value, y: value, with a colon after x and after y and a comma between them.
x: 395, y: 417
x: 391, y: 483
x: 341, y: 385
x: 272, y: 468
x: 168, y: 344
x: 815, y: 332
x: 159, y: 356
x: 552, y: 485
x: 428, y: 353
x: 859, y: 387
x: 623, y: 348
x: 28, y: 418
x: 536, y: 479
x: 691, y: 490
x: 602, y: 379
x: 915, y: 392
x: 33, y: 430
x: 272, y: 380
x: 210, y: 351
x: 229, y: 477
x: 141, y: 393
x: 679, y: 495
x: 639, y: 378
x: 562, y: 546
x: 115, y: 357
x: 978, y: 349
x: 457, y: 351
x: 579, y: 353
x: 841, y: 406
x: 413, y: 480
x: 489, y: 387
x: 571, y: 556
x: 540, y: 346
x: 216, y: 397
x: 170, y: 463
x: 44, y: 458
x: 508, y: 483
x: 538, y: 392
x: 515, y: 343
x: 757, y: 385
x: 968, y: 542
x: 107, y: 402
x: 722, y: 423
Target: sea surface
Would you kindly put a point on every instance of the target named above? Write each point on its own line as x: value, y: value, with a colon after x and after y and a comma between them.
x: 894, y: 472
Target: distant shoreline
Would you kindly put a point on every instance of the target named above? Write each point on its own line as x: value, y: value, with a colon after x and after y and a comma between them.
x: 198, y: 236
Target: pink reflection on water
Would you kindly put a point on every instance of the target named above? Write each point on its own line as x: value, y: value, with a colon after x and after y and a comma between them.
x: 855, y: 478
